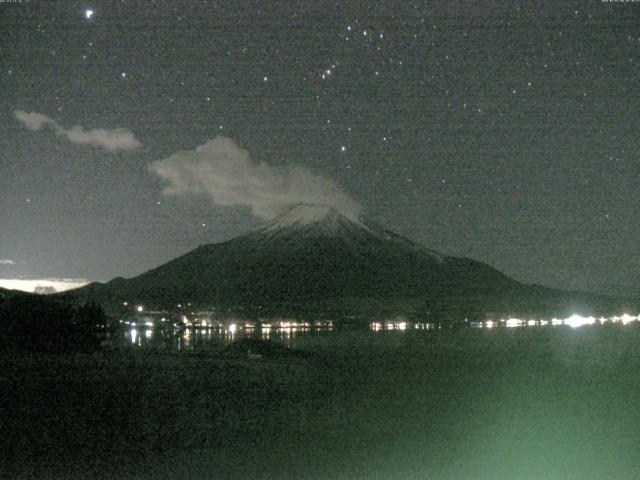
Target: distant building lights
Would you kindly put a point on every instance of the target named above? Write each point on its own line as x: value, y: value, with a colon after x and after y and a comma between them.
x: 626, y: 318
x: 578, y: 321
x: 513, y: 322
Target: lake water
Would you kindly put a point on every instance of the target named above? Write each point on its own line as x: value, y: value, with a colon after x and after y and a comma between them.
x: 406, y: 401
x: 154, y: 334
x: 381, y: 400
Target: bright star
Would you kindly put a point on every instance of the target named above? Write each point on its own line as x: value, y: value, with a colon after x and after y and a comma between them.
x: 88, y: 14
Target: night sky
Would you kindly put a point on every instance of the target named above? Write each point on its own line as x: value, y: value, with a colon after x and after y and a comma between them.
x: 133, y: 131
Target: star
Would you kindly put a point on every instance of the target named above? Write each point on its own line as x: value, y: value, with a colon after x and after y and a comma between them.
x: 219, y: 83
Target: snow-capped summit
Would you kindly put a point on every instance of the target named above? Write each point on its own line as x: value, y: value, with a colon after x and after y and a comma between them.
x: 309, y: 258
x: 323, y: 221
x: 312, y: 218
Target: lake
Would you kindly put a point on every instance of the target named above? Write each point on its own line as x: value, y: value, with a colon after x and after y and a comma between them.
x: 153, y: 333
x: 390, y: 403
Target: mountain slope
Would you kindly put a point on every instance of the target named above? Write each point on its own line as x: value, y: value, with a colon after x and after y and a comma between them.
x: 313, y: 258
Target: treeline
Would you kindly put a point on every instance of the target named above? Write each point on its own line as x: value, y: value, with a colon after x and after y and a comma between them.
x: 41, y: 324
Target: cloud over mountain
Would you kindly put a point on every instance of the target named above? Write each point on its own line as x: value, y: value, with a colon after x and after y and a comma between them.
x: 227, y: 174
x: 111, y: 140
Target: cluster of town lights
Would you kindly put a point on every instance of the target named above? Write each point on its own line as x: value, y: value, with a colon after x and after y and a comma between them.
x: 288, y: 326
x: 574, y: 321
x: 400, y: 325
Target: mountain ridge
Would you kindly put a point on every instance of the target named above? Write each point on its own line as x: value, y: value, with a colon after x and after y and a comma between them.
x: 312, y: 258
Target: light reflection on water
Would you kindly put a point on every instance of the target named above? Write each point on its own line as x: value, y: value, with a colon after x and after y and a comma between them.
x: 288, y: 331
x: 190, y: 338
x: 574, y: 321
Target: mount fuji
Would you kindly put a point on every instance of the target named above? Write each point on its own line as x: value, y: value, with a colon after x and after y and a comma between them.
x: 313, y: 259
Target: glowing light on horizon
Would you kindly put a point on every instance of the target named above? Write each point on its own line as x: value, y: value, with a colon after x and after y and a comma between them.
x: 578, y: 321
x: 29, y: 285
x: 626, y: 318
x: 574, y: 321
x: 513, y: 322
x: 265, y: 331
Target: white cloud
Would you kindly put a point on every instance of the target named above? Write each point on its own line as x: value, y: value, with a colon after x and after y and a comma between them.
x: 33, y: 121
x: 116, y: 139
x: 112, y: 140
x: 29, y: 285
x: 226, y: 173
x: 6, y: 261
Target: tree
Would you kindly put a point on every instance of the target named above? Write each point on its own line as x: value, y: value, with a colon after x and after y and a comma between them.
x: 37, y: 323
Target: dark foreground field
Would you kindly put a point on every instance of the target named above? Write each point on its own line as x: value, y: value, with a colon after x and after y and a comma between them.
x: 518, y: 404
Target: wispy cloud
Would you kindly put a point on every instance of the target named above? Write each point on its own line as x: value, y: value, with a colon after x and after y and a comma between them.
x: 6, y: 261
x: 112, y: 140
x: 227, y: 174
